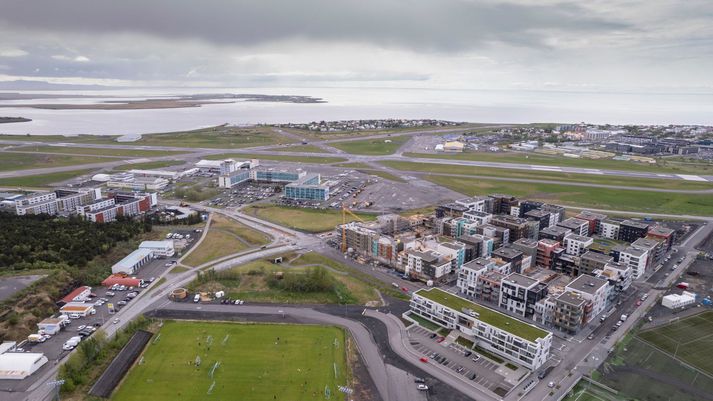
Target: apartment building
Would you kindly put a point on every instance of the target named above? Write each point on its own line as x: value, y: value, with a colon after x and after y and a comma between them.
x: 542, y: 217
x: 510, y: 338
x: 663, y: 234
x: 519, y: 227
x: 594, y: 291
x: 37, y: 203
x: 501, y: 204
x: 634, y: 258
x: 519, y: 294
x: 569, y: 312
x: 548, y: 250
x: 488, y: 284
x: 482, y: 204
x: 500, y: 235
x: 425, y: 265
x: 528, y: 247
x: 631, y: 230
x: 576, y: 245
x: 450, y: 210
x: 578, y: 226
x: 468, y: 276
x: 609, y: 229
x: 510, y: 255
x: 594, y: 220
x: 476, y: 245
x: 591, y: 261
x: 273, y: 175
x: 619, y: 277
x: 556, y: 212
x: 116, y: 204
x: 555, y: 233
x: 478, y: 217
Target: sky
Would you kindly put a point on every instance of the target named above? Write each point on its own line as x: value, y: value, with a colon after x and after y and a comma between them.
x: 595, y: 45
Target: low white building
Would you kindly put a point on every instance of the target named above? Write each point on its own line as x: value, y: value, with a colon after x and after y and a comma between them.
x: 673, y: 301
x: 18, y: 365
x: 163, y: 249
x: 133, y: 261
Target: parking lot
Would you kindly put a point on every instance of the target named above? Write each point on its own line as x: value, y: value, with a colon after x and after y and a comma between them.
x: 478, y: 369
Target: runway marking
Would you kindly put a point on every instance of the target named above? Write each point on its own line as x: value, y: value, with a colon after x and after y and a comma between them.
x: 691, y: 177
x: 546, y: 168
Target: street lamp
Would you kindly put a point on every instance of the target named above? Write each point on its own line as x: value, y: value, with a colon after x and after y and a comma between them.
x: 56, y: 384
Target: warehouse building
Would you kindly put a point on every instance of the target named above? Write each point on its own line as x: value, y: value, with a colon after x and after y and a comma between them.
x: 674, y: 301
x: 510, y: 338
x: 18, y: 365
x: 133, y: 261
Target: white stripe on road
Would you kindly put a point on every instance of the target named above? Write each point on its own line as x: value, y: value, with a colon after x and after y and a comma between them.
x: 546, y: 168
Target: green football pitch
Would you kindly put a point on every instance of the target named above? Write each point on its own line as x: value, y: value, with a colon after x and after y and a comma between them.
x: 239, y: 362
x: 689, y: 339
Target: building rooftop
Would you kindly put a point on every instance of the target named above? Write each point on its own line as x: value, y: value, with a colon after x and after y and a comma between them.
x: 486, y: 315
x: 520, y: 280
x: 585, y: 214
x: 537, y: 213
x: 571, y: 298
x: 580, y: 238
x: 597, y: 257
x: 586, y: 283
x: 555, y: 230
x: 572, y: 223
x: 630, y: 250
x: 477, y: 264
x: 526, y: 242
x: 157, y: 244
x: 133, y: 258
x: 661, y: 231
x: 636, y: 224
x: 506, y: 252
x: 646, y: 243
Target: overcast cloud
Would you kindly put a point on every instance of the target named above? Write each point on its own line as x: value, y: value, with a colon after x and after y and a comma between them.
x: 562, y: 45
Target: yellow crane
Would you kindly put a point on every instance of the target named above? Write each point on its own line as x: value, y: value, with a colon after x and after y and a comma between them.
x: 346, y: 210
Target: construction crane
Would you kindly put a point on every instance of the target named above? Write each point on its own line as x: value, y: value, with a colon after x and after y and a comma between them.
x: 346, y: 210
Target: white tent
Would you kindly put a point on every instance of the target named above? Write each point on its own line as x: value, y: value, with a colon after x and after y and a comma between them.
x: 19, y: 365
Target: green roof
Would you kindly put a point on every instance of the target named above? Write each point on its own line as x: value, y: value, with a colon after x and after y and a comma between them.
x: 486, y: 315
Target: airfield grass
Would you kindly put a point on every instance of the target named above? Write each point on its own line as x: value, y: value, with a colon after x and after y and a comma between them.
x: 95, y: 139
x: 150, y: 165
x: 689, y: 339
x: 99, y: 151
x: 599, y: 198
x: 41, y: 180
x: 548, y: 175
x: 258, y: 362
x: 584, y: 391
x: 284, y: 158
x: 301, y: 148
x: 225, y: 237
x: 372, y: 147
x: 26, y: 161
x: 541, y: 159
x: 220, y: 137
x: 308, y: 220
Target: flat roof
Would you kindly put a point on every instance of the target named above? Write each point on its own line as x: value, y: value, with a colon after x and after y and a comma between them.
x: 572, y: 222
x: 599, y: 257
x: 157, y: 244
x: 587, y: 283
x: 580, y: 238
x: 507, y: 252
x: 519, y: 279
x: 637, y: 224
x: 133, y: 258
x: 486, y: 315
x: 660, y: 230
x: 570, y: 298
x: 555, y: 230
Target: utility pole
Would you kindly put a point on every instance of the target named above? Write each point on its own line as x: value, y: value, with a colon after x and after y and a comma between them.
x: 56, y: 385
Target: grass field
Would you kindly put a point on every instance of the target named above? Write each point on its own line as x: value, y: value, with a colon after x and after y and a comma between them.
x: 540, y: 159
x: 250, y: 282
x: 600, y: 198
x: 284, y: 158
x: 150, y: 165
x: 547, y: 175
x: 301, y: 148
x: 309, y: 220
x: 100, y: 139
x: 225, y: 237
x: 99, y: 151
x: 257, y: 362
x: 689, y: 339
x: 216, y: 137
x: 375, y: 146
x: 27, y: 161
x: 41, y: 180
x: 584, y: 391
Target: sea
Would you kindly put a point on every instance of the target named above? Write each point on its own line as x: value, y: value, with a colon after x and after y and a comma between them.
x: 485, y: 106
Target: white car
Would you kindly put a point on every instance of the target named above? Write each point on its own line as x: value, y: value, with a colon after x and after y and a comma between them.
x: 116, y: 321
x: 67, y: 347
x: 422, y: 387
x: 82, y: 327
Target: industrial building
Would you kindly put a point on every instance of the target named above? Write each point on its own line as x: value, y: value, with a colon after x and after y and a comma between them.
x: 510, y: 338
x: 18, y: 365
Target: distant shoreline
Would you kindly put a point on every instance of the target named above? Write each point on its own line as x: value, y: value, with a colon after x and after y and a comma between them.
x: 160, y: 103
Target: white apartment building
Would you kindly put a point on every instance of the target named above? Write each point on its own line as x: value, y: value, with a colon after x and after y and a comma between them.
x: 576, y: 244
x: 428, y: 264
x: 479, y: 218
x: 476, y: 204
x: 578, y: 226
x: 37, y: 203
x: 636, y: 259
x: 510, y: 338
x: 609, y: 229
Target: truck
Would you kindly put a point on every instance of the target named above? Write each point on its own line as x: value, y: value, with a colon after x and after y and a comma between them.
x: 623, y: 317
x: 36, y: 338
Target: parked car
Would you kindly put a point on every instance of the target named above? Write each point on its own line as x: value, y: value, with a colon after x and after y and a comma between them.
x: 422, y: 387
x: 423, y: 359
x: 472, y: 376
x: 440, y: 339
x: 115, y: 321
x: 419, y: 380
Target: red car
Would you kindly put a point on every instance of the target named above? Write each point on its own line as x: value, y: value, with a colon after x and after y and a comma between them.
x: 440, y: 339
x: 423, y: 359
x: 404, y: 289
x: 638, y: 303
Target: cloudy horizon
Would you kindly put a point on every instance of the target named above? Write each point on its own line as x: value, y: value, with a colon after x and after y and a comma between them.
x: 603, y: 45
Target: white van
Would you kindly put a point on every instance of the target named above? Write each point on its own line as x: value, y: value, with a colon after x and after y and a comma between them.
x: 74, y: 316
x: 197, y: 298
